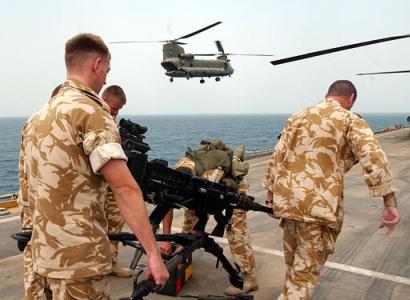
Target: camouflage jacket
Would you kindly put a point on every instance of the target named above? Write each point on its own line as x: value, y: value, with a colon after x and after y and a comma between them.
x: 317, y: 146
x: 72, y: 137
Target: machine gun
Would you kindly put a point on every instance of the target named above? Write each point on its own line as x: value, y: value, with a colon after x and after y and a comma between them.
x: 168, y: 188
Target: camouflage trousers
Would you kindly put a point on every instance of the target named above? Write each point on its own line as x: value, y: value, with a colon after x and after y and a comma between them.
x: 238, y: 238
x: 115, y: 222
x: 306, y: 247
x: 96, y: 288
x: 35, y: 286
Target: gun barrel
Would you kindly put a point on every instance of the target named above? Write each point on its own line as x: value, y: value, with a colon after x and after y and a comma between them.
x: 248, y: 203
x: 262, y: 208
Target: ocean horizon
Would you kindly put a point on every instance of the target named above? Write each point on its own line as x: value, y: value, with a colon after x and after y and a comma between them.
x: 169, y: 136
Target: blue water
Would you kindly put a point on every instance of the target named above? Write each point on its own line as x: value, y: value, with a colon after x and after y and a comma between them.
x: 169, y: 136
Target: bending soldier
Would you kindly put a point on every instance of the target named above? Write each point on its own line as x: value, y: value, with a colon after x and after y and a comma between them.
x: 215, y: 162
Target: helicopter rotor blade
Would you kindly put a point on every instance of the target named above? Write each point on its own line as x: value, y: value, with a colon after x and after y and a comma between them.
x: 145, y: 42
x: 205, y: 54
x: 332, y: 50
x: 388, y: 72
x: 198, y: 31
x: 249, y: 54
x: 219, y: 46
x: 132, y: 42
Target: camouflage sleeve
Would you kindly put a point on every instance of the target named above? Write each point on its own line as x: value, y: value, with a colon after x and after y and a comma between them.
x: 25, y: 213
x: 270, y: 172
x: 22, y: 174
x: 350, y: 161
x: 102, y: 140
x: 376, y: 169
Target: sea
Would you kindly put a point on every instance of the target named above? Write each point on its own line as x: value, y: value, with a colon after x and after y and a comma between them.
x: 169, y: 136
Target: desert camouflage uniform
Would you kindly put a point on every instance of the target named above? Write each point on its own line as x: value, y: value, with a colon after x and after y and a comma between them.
x: 238, y: 233
x: 305, y: 174
x: 115, y: 221
x: 73, y: 136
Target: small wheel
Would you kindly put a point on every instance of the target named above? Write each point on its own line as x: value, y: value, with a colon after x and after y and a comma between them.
x: 218, y: 79
x: 171, y: 79
x: 202, y: 81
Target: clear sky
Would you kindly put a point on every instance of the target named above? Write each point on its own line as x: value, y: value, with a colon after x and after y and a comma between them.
x: 33, y: 34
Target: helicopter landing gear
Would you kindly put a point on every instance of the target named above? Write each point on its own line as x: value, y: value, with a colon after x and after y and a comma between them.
x: 218, y: 79
x: 202, y: 81
x: 171, y: 79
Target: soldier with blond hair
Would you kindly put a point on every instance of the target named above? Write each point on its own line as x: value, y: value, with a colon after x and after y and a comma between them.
x: 304, y: 179
x: 115, y: 97
x: 74, y: 151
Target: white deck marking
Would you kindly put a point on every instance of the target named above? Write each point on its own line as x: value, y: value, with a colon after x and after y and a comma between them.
x: 10, y: 219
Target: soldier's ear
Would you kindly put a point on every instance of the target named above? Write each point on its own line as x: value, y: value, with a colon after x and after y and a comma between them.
x: 352, y: 99
x: 96, y: 63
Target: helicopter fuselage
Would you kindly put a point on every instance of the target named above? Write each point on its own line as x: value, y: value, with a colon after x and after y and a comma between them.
x: 187, y: 66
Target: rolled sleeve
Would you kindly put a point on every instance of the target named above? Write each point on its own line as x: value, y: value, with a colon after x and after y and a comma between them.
x: 104, y: 153
x: 102, y: 140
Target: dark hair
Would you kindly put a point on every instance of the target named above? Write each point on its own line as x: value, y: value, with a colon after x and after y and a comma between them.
x: 114, y: 91
x: 81, y: 44
x: 342, y: 88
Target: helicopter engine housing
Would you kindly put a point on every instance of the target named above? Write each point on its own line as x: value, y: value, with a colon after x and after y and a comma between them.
x: 186, y: 56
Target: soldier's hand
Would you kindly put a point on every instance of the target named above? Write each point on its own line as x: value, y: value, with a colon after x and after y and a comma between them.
x: 166, y: 248
x: 390, y: 218
x: 157, y: 269
x: 269, y: 203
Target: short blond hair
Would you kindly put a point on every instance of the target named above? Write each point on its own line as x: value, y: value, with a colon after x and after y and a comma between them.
x: 114, y: 91
x: 82, y: 44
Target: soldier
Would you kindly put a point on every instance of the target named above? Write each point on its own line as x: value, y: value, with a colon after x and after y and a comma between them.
x: 35, y: 285
x: 231, y: 169
x: 74, y: 149
x: 115, y: 97
x: 304, y: 179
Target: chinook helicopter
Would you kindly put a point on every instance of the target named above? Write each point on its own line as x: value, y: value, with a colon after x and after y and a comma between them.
x: 177, y: 63
x: 341, y: 48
